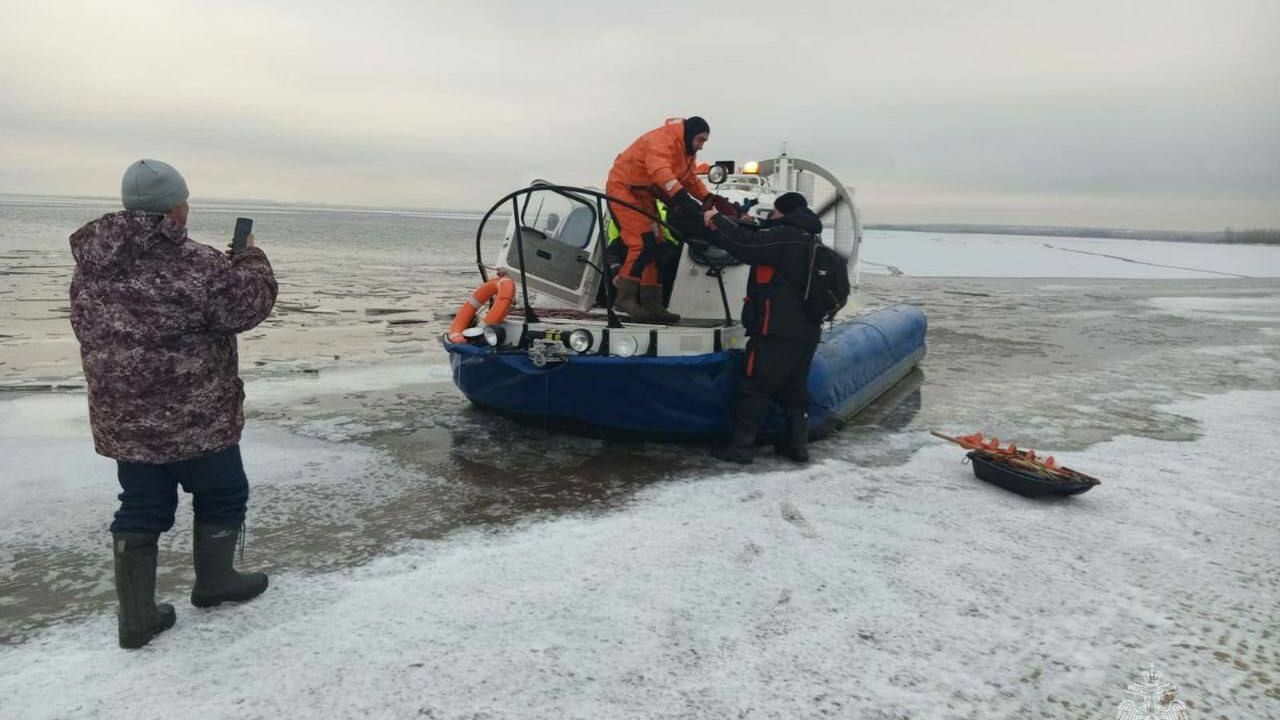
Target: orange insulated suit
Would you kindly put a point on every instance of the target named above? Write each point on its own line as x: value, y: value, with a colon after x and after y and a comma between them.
x: 656, y: 166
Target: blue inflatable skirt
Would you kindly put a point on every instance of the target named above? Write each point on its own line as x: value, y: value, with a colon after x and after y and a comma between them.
x: 688, y: 397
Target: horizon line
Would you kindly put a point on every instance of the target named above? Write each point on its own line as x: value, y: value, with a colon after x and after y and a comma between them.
x: 902, y: 225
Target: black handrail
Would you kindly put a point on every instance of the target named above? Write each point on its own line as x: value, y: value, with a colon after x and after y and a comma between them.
x: 614, y: 322
x: 571, y: 192
x: 529, y: 316
x: 606, y: 273
x: 610, y: 294
x: 563, y: 189
x: 574, y: 194
x: 718, y: 273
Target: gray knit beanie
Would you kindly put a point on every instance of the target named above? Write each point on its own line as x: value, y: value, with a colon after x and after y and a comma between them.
x: 152, y: 186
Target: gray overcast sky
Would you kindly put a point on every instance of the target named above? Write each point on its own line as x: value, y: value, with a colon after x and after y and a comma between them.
x: 1159, y: 114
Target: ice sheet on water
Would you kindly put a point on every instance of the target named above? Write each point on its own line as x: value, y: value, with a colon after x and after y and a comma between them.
x: 978, y: 255
x: 59, y: 497
x: 1257, y: 308
x: 861, y: 592
x: 283, y: 389
x: 63, y: 482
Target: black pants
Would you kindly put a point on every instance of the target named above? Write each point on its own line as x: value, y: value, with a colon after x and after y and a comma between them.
x: 776, y: 368
x: 217, y: 484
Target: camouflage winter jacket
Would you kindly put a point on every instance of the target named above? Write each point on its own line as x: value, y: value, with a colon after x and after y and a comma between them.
x: 156, y: 314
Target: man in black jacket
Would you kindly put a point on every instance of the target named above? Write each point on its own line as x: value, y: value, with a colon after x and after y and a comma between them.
x: 782, y: 336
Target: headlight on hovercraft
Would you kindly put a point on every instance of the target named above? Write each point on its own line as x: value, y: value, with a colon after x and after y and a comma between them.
x: 581, y: 341
x: 623, y: 346
x: 494, y: 335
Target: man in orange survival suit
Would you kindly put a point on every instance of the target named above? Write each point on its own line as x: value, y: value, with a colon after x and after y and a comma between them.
x: 658, y: 165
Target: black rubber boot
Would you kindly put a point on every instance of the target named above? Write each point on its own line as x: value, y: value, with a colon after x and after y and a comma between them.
x: 742, y: 448
x: 217, y: 581
x: 741, y: 454
x: 747, y: 416
x: 651, y: 301
x: 795, y: 441
x: 138, y: 615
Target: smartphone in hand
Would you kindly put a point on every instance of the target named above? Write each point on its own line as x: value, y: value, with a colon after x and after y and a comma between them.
x: 244, y: 226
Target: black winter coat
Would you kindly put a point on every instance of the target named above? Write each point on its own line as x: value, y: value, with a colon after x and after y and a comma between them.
x: 778, y: 252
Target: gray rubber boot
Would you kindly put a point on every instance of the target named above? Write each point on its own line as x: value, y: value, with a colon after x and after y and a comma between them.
x: 628, y: 300
x: 138, y: 616
x: 217, y: 581
x: 651, y: 301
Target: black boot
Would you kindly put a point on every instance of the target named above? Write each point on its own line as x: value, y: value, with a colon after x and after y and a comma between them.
x: 139, y: 617
x: 738, y: 450
x: 794, y: 442
x: 746, y: 424
x: 216, y: 578
x: 735, y: 452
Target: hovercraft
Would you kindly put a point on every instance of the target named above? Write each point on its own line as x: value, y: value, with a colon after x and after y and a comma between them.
x: 552, y: 352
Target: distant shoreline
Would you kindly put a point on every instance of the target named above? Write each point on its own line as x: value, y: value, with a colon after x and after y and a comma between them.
x: 1232, y: 237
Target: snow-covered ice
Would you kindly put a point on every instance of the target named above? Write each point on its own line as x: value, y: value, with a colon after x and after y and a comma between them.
x: 902, y: 591
x: 979, y: 255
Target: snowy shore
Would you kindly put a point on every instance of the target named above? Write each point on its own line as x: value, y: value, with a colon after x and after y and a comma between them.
x: 904, y: 591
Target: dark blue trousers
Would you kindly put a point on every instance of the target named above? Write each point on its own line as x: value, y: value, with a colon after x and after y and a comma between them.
x: 217, y: 484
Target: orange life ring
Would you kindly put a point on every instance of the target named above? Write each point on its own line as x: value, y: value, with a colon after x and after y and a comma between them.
x: 505, y: 290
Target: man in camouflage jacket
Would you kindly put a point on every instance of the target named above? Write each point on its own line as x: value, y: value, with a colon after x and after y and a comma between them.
x: 156, y: 314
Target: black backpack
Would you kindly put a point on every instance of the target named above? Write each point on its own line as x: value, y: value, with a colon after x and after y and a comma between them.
x: 827, y: 287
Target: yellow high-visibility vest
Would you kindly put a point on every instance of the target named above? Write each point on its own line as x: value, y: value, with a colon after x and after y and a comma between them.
x: 614, y: 233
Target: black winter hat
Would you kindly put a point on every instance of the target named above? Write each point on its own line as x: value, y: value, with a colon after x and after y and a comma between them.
x: 788, y: 203
x: 692, y: 127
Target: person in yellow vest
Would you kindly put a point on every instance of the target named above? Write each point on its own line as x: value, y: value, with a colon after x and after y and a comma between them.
x: 667, y: 253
